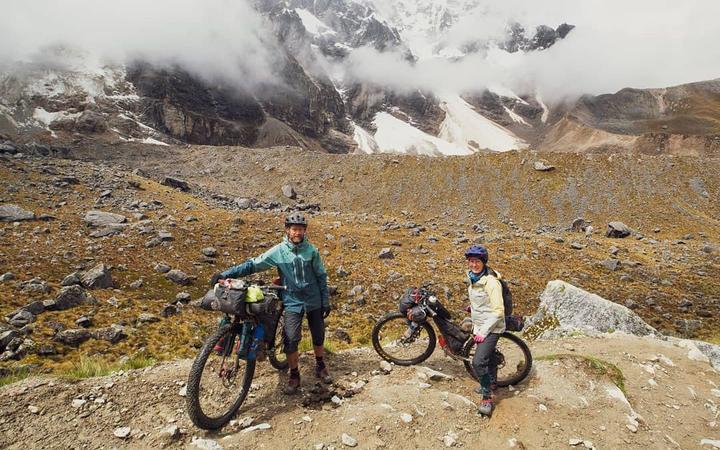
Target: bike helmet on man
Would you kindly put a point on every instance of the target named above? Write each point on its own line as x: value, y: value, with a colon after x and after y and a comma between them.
x: 295, y: 219
x: 477, y: 251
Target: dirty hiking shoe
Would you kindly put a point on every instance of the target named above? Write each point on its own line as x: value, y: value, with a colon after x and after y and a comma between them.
x: 293, y: 386
x: 323, y: 374
x: 486, y: 407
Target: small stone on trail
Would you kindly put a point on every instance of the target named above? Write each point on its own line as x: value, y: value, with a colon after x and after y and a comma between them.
x: 122, y: 432
x: 348, y: 440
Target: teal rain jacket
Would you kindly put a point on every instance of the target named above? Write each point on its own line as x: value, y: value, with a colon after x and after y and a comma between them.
x: 301, y: 270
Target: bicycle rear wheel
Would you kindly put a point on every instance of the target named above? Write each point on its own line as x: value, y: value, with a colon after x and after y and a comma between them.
x: 513, y: 358
x: 398, y: 342
x: 219, y: 380
x: 276, y: 355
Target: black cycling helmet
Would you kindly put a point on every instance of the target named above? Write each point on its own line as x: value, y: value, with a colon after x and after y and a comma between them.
x: 477, y: 251
x: 295, y: 219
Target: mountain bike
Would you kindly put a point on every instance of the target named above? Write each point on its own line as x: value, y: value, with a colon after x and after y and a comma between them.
x: 222, y: 372
x: 408, y: 341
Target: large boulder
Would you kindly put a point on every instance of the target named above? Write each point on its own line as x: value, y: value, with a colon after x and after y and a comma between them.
x: 73, y: 337
x: 113, y: 334
x: 565, y: 309
x: 97, y: 278
x: 14, y: 213
x: 98, y: 219
x: 618, y: 230
x: 70, y: 297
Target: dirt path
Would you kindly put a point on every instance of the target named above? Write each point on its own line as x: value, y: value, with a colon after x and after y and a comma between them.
x: 673, y: 403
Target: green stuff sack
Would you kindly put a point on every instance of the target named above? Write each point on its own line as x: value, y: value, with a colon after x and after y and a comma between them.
x: 254, y: 294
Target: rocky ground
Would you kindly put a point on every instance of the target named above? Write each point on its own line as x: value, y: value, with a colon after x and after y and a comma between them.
x: 99, y: 257
x: 669, y: 401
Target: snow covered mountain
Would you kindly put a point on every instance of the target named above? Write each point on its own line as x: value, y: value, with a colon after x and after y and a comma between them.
x: 317, y: 99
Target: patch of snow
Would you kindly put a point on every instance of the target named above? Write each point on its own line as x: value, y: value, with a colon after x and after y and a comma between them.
x: 515, y: 117
x: 395, y: 136
x: 463, y: 126
x: 502, y: 91
x: 46, y: 117
x: 366, y: 143
x: 149, y: 140
x: 312, y: 24
x: 546, y: 111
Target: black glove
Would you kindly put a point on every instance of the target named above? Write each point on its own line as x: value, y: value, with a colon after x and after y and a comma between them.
x: 215, y: 278
x: 326, y: 311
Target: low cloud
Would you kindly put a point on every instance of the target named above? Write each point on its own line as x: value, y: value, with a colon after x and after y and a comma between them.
x: 216, y: 39
x: 616, y: 44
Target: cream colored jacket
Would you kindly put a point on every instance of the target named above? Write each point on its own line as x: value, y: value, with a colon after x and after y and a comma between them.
x: 487, y: 310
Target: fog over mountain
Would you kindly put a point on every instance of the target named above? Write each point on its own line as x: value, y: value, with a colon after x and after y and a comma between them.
x: 615, y: 43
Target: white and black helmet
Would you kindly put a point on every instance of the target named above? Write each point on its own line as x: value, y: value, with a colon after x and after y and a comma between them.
x: 295, y: 219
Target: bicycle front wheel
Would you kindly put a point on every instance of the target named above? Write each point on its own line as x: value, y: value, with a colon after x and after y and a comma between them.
x: 219, y: 380
x: 512, y: 356
x: 403, y: 343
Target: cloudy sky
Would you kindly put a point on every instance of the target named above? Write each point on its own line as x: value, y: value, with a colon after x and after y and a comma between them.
x: 636, y: 43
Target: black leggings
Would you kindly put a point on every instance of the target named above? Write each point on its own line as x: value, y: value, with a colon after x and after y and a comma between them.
x: 484, y: 361
x: 293, y: 329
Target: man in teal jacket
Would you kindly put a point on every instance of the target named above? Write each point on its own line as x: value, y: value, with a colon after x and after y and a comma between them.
x: 302, y: 271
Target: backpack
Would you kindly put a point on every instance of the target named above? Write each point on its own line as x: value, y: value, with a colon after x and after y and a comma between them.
x: 506, y: 294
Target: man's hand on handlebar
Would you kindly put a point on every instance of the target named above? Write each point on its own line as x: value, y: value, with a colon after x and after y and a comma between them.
x: 215, y: 279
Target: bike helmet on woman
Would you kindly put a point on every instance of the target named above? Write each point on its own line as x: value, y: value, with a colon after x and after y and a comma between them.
x: 295, y: 219
x: 477, y: 251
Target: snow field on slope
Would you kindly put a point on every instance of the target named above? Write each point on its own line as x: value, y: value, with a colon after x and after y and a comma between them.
x: 463, y: 124
x: 312, y: 24
x: 395, y: 136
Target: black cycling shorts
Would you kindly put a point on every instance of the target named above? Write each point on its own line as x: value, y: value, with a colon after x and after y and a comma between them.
x: 292, y: 332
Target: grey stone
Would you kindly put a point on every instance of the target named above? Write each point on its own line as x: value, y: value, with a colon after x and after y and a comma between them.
x: 348, y: 440
x: 243, y: 203
x: 35, y: 307
x: 70, y: 297
x: 84, y: 322
x: 618, y: 230
x: 176, y: 183
x: 122, y: 432
x: 14, y: 213
x: 148, y: 318
x: 579, y: 225
x: 611, y: 264
x: 97, y: 278
x: 542, y: 166
x: 6, y: 337
x: 35, y: 286
x: 209, y: 252
x: 386, y: 253
x: 178, y: 276
x: 289, y: 192
x: 342, y: 335
x: 162, y: 268
x: 109, y: 230
x: 7, y: 276
x: 99, y: 219
x: 153, y: 242
x: 577, y: 245
x: 137, y: 284
x: 71, y: 279
x: 182, y: 297
x: 165, y: 236
x: 113, y: 334
x: 574, y: 309
x: 170, y: 310
x: 21, y: 318
x: 46, y: 350
x: 73, y: 337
